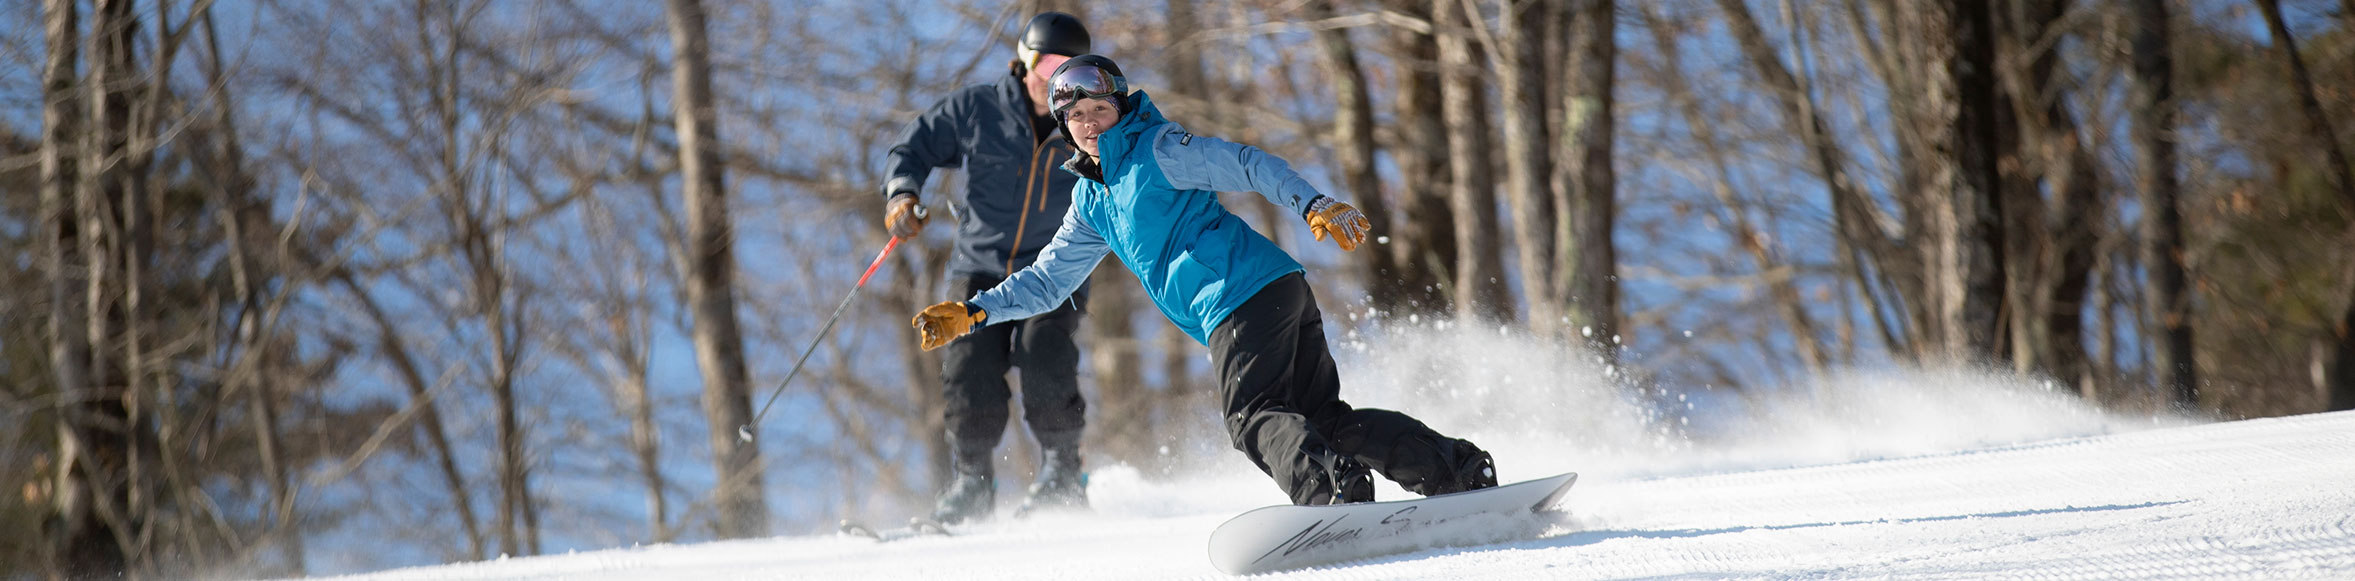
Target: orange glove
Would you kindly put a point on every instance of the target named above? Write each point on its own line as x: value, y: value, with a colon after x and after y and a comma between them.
x: 904, y: 217
x: 939, y: 324
x: 1343, y: 222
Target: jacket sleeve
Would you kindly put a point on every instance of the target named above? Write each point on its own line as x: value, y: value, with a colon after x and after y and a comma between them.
x: 1196, y: 162
x: 930, y: 141
x: 1060, y: 268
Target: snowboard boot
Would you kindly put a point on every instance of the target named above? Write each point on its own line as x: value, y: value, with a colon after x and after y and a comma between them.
x: 1061, y: 486
x: 1341, y: 480
x: 1474, y: 469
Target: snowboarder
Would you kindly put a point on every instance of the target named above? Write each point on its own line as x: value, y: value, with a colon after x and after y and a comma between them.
x: 1005, y: 138
x: 1147, y: 195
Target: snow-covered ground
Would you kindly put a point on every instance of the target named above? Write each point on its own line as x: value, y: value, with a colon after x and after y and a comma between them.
x: 1904, y: 476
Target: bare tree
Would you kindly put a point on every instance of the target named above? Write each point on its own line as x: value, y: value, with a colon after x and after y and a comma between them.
x: 1781, y: 278
x: 83, y: 543
x: 719, y: 345
x: 1355, y: 151
x: 1863, y: 248
x: 617, y: 343
x: 1519, y: 60
x: 472, y: 210
x: 2168, y: 300
x: 1481, y: 292
x: 1972, y: 264
x: 1422, y: 233
x: 1586, y: 287
x: 245, y: 219
x: 2324, y: 134
x: 96, y: 518
x: 2056, y: 262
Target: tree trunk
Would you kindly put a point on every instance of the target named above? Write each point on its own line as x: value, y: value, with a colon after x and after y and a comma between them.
x: 1587, y: 287
x: 2102, y: 361
x: 82, y: 539
x: 1529, y: 155
x: 517, y: 524
x: 1481, y: 292
x: 2052, y: 316
x: 2342, y: 369
x: 2168, y: 299
x: 719, y: 345
x: 1974, y: 257
x: 100, y: 496
x: 2325, y: 134
x: 1422, y: 235
x: 645, y: 434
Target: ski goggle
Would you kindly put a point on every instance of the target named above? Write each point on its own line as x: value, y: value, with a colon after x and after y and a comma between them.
x: 1039, y: 63
x: 1047, y: 63
x: 1083, y: 82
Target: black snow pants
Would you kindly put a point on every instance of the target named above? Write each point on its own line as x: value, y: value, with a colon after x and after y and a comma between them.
x: 1283, y: 404
x: 973, y: 377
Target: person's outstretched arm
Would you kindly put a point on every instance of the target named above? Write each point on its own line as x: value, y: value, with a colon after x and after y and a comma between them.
x: 1066, y: 262
x: 1196, y: 162
x: 1060, y: 268
x: 1199, y: 162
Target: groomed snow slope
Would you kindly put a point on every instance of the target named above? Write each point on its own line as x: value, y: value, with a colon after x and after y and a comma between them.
x: 2260, y: 499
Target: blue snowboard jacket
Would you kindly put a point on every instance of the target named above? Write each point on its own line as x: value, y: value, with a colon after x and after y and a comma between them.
x: 1157, y: 209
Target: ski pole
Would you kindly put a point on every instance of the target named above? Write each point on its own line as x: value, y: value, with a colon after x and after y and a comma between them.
x: 744, y: 432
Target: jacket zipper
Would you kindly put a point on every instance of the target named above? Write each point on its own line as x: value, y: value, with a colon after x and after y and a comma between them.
x: 1030, y: 185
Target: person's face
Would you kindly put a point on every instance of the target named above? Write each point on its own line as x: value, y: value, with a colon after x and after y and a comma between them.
x: 1088, y: 119
x: 1037, y: 81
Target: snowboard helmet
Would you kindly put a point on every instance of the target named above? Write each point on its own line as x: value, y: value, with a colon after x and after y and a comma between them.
x: 1087, y: 76
x: 1053, y: 33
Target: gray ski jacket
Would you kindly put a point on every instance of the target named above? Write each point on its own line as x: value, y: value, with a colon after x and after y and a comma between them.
x: 1014, y: 195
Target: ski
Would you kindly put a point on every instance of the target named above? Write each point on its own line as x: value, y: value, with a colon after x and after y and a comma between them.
x: 917, y: 527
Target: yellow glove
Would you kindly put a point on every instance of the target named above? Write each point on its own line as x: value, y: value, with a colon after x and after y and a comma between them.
x: 904, y: 217
x: 1343, y: 222
x: 939, y: 324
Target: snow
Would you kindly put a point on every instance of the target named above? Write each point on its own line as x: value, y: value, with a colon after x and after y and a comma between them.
x: 1891, y: 475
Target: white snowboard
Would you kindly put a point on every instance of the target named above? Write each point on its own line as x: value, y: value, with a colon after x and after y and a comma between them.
x: 1277, y: 538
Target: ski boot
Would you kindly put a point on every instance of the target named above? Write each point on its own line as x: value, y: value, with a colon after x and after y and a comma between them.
x: 1061, y: 485
x: 972, y: 497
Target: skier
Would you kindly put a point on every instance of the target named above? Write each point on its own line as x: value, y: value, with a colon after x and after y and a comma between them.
x: 1004, y: 136
x: 1147, y: 195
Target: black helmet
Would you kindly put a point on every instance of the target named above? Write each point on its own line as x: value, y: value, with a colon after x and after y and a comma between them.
x: 1055, y: 33
x: 1087, y: 76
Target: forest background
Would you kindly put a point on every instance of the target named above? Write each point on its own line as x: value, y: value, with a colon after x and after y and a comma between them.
x: 306, y: 287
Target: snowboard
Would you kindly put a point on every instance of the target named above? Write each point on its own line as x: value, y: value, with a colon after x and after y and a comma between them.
x: 1285, y: 537
x: 917, y: 527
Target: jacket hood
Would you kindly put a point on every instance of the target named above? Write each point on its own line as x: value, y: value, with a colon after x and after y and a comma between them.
x: 1124, y: 137
x: 1142, y: 115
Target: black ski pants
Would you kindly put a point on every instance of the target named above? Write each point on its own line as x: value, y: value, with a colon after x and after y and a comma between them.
x: 1284, y: 408
x: 973, y: 377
